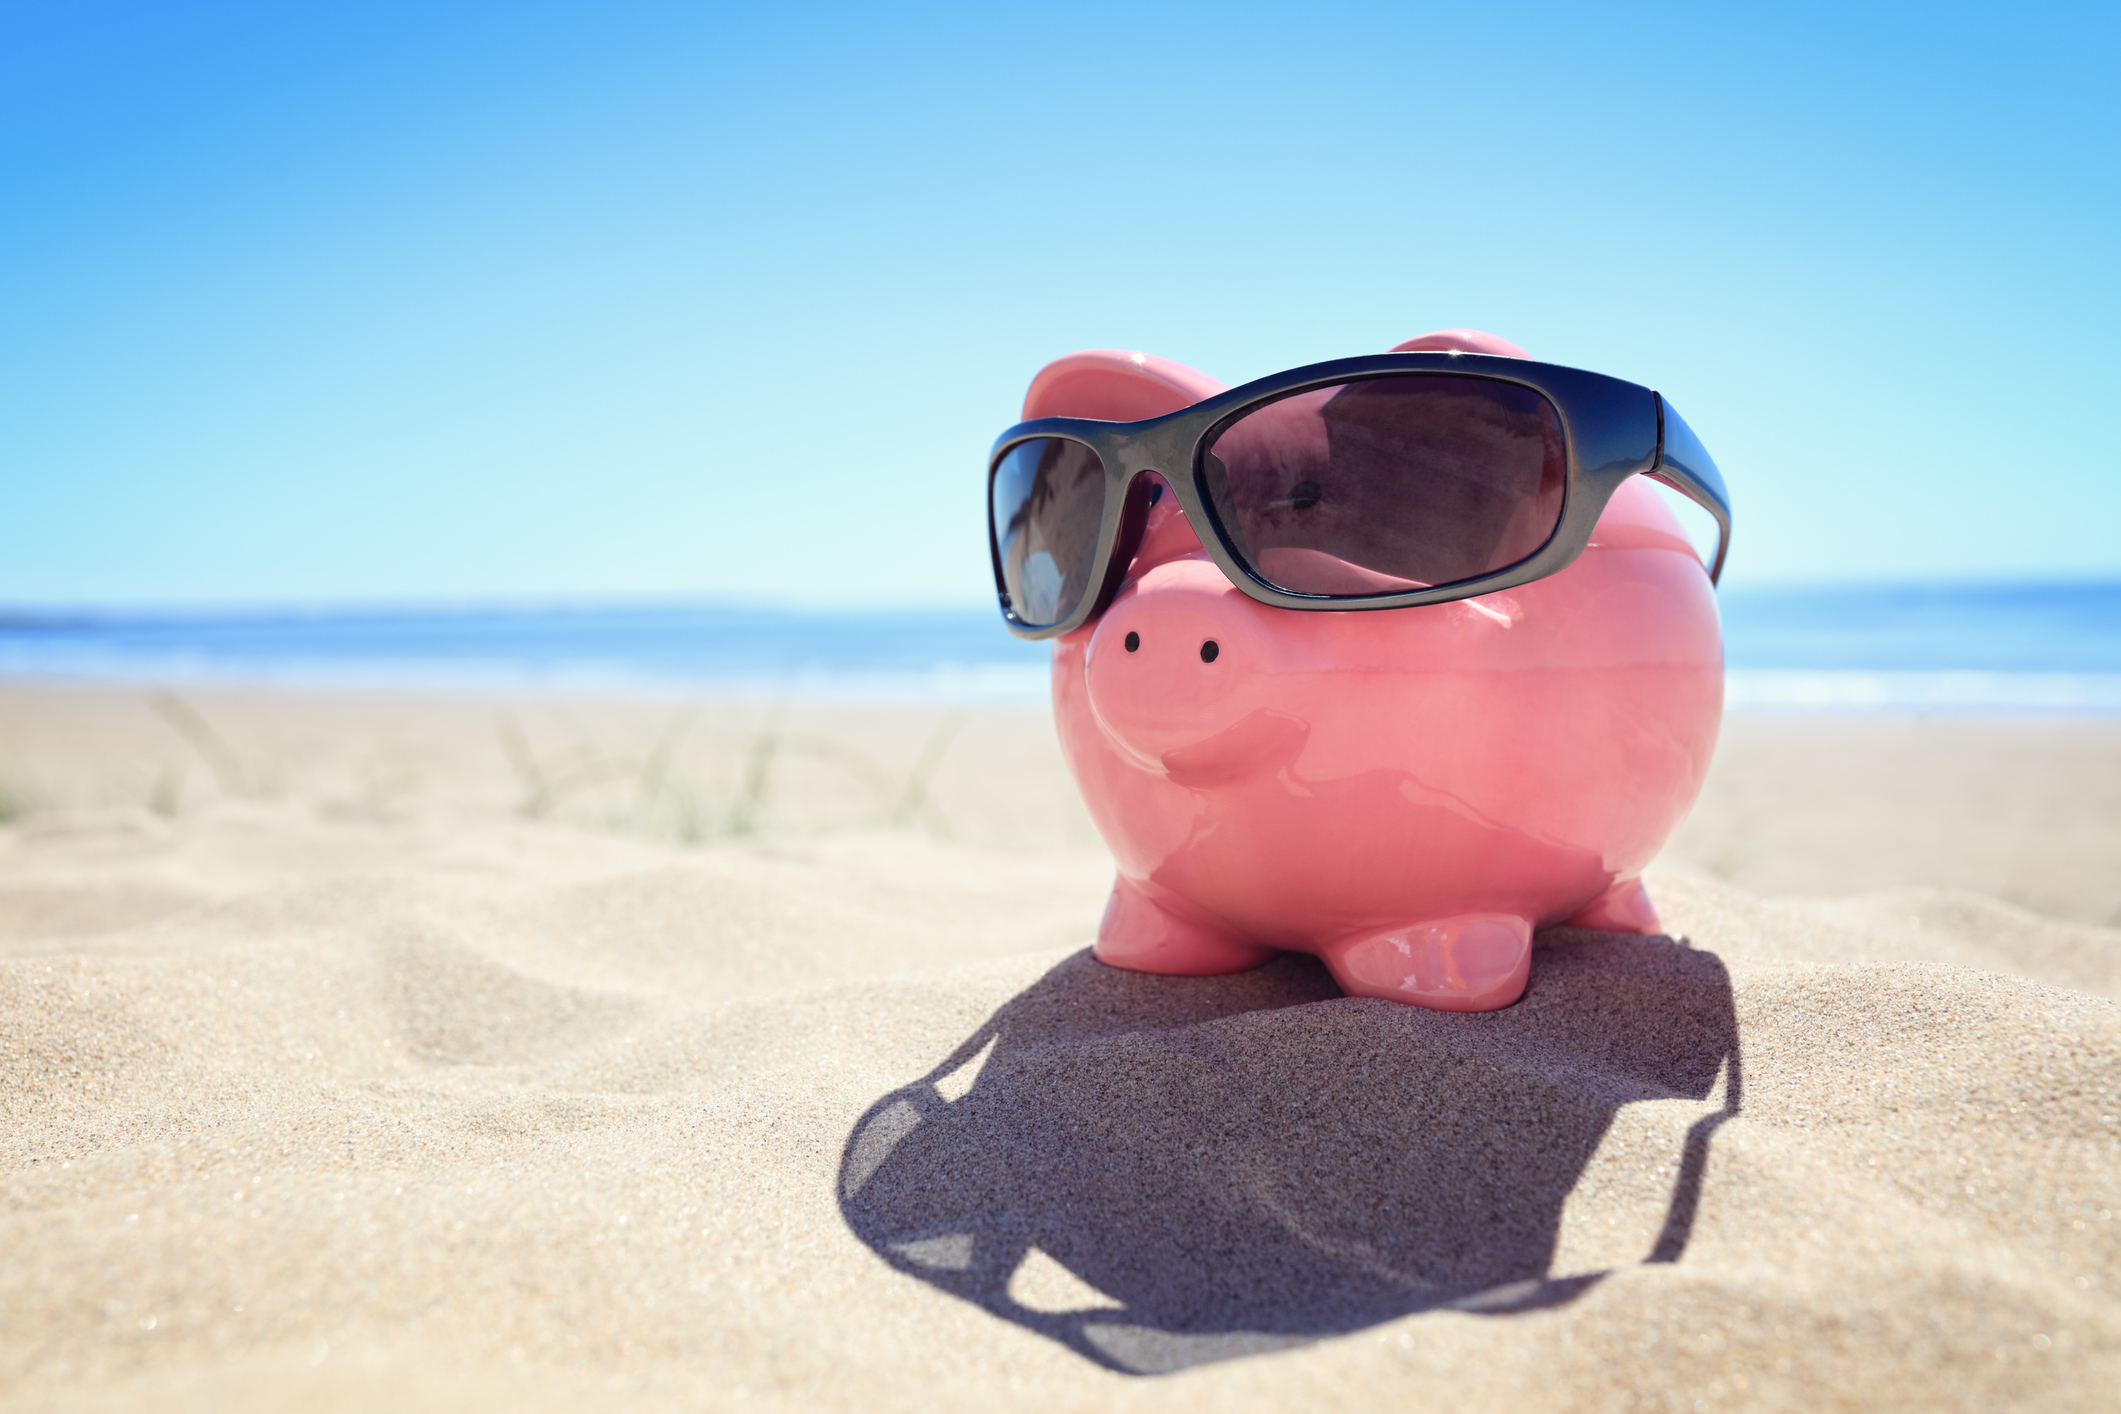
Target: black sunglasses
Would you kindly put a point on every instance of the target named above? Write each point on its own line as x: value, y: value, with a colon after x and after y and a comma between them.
x: 1364, y: 483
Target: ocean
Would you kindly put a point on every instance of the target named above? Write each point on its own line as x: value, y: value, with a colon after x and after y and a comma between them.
x: 1862, y: 648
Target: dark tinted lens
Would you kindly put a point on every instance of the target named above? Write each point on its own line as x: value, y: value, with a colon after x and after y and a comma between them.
x: 1389, y: 484
x: 1047, y: 501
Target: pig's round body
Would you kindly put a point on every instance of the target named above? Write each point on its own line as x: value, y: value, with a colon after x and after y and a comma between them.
x: 1406, y: 793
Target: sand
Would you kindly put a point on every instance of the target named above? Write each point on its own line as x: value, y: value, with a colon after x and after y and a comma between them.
x: 421, y: 1052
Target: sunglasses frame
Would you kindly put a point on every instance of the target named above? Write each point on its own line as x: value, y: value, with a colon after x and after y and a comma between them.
x: 1612, y: 430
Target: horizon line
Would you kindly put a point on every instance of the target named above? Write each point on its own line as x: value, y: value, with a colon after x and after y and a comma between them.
x: 60, y: 614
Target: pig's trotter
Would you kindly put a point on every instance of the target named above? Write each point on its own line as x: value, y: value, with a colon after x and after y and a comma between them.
x: 1473, y: 962
x: 1624, y: 908
x: 1142, y: 936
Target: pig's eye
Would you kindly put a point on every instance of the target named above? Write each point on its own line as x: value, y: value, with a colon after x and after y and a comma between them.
x: 1134, y: 641
x: 1304, y: 495
x: 1209, y: 650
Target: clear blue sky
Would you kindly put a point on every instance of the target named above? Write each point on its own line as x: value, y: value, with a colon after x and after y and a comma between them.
x: 324, y: 302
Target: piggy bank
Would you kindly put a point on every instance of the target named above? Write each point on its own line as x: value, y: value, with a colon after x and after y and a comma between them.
x: 1406, y: 794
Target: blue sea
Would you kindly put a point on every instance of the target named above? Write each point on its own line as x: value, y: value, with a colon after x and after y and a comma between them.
x: 1949, y: 648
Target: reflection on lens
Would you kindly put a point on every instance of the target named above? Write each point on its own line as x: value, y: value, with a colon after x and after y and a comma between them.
x: 1047, y: 501
x: 1389, y: 484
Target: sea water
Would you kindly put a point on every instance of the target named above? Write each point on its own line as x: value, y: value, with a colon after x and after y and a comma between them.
x: 1953, y: 647
x: 2022, y: 647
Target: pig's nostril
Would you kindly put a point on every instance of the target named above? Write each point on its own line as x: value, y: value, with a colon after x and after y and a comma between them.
x: 1134, y: 641
x: 1208, y: 651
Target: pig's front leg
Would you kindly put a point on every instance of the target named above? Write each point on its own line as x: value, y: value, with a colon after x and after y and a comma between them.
x: 1472, y: 962
x: 1142, y: 935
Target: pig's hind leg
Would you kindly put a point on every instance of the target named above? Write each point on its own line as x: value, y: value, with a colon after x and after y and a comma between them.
x: 1471, y: 962
x: 1624, y: 908
x: 1142, y: 935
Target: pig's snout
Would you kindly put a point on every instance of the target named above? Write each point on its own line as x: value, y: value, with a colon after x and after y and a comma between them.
x: 1174, y: 672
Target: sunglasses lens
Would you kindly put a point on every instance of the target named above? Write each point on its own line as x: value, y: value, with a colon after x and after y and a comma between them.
x: 1046, y: 501
x: 1389, y: 484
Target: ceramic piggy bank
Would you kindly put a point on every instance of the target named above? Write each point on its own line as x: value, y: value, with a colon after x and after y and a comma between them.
x: 1406, y: 793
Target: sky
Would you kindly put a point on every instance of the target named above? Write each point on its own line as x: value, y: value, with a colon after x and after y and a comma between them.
x: 378, y: 303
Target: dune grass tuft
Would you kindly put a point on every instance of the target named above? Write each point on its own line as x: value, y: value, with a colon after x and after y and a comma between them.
x: 676, y: 796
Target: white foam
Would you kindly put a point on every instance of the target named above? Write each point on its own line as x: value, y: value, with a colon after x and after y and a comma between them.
x: 1808, y: 690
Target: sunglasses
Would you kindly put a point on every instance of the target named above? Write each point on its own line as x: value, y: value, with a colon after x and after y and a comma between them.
x: 1380, y: 482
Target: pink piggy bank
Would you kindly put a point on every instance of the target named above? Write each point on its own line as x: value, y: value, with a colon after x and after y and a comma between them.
x: 1408, y: 793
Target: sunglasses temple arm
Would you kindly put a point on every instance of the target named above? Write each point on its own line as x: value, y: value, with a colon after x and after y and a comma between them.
x: 1700, y: 495
x: 1685, y: 465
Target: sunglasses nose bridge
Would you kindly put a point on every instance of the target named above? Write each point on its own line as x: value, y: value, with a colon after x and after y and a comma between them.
x: 1144, y: 455
x: 1159, y: 450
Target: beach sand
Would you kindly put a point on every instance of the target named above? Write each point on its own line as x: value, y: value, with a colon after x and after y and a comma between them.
x: 417, y: 1052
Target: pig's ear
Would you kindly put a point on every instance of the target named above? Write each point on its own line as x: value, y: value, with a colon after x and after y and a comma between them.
x: 1114, y: 385
x: 1465, y: 341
